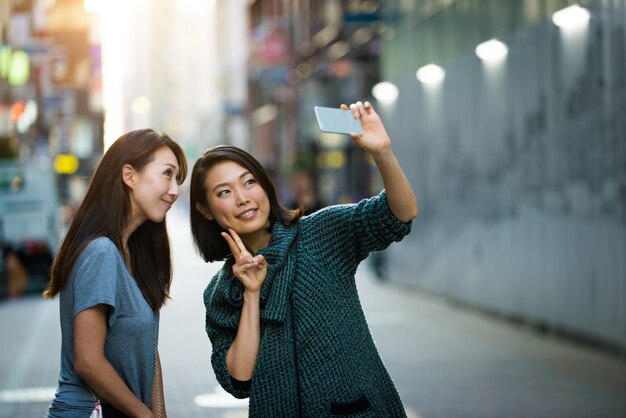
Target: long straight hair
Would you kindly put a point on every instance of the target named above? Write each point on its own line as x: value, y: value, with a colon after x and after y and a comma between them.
x: 105, y: 211
x: 206, y: 234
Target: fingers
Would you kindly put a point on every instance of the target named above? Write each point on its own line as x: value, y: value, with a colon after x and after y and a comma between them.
x: 244, y: 267
x: 231, y: 244
x: 238, y: 240
x: 354, y: 108
x: 235, y: 244
x: 360, y: 109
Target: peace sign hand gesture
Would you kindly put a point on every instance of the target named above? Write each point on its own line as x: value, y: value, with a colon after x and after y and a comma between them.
x: 249, y: 270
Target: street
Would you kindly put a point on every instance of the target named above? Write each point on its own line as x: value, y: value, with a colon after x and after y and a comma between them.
x: 446, y: 361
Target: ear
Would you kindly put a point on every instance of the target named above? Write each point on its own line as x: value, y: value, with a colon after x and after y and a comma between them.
x: 204, y: 211
x: 128, y: 175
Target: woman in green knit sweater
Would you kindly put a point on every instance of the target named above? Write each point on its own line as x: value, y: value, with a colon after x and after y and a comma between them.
x: 283, y: 314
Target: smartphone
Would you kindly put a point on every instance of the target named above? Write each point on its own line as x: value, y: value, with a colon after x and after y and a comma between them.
x: 334, y: 120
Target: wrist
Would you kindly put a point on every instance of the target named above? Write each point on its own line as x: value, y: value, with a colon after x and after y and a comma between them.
x: 382, y: 154
x: 251, y: 295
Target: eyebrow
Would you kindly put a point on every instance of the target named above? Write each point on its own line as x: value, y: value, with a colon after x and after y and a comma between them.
x: 245, y: 173
x: 175, y: 169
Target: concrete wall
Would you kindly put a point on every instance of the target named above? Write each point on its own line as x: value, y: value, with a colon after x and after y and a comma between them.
x: 520, y: 172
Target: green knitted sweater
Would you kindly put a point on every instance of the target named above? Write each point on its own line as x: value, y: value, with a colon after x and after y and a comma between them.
x: 317, y: 357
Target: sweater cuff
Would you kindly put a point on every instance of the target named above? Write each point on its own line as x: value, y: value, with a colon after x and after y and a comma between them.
x: 241, y: 385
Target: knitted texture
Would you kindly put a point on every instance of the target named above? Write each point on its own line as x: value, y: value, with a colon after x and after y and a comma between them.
x: 317, y: 357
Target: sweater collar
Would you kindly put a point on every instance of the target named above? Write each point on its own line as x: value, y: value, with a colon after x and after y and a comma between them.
x: 281, y: 266
x: 280, y: 269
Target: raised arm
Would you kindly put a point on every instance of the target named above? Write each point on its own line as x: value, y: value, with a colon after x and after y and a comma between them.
x: 251, y: 271
x: 375, y: 141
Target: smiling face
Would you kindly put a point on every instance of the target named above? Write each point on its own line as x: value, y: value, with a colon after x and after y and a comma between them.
x: 154, y: 189
x: 236, y: 200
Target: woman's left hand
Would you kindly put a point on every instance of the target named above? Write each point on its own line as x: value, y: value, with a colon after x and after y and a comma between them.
x: 374, y: 139
x: 249, y: 270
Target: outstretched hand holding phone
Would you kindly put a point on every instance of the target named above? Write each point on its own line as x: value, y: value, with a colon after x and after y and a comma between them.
x: 365, y: 127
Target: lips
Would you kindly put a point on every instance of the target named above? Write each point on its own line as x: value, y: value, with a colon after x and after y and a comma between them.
x: 247, y: 214
x: 168, y: 203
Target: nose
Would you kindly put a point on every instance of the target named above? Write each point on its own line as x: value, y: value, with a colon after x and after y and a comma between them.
x: 241, y: 197
x: 173, y: 191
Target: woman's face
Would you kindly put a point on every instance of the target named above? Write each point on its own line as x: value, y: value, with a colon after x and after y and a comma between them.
x: 154, y: 189
x: 235, y: 199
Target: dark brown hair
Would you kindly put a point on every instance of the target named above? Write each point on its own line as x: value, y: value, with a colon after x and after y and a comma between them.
x: 206, y: 234
x: 105, y: 210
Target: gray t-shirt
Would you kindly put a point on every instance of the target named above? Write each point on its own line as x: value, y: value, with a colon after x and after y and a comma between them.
x: 100, y: 276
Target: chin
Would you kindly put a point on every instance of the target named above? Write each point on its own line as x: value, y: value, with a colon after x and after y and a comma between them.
x: 157, y: 219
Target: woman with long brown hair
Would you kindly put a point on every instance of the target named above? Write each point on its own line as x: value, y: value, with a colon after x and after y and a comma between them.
x: 113, y: 273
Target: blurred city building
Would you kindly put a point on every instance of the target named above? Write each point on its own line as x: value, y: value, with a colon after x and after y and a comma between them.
x: 303, y: 54
x: 50, y: 129
x: 160, y: 70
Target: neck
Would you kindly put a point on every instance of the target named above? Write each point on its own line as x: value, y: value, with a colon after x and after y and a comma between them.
x: 256, y: 241
x: 135, y: 219
x: 133, y: 224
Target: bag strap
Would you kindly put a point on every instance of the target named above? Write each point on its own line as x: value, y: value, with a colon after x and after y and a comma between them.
x: 157, y: 375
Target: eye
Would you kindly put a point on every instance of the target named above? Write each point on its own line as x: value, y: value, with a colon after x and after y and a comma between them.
x: 250, y: 181
x: 223, y: 192
x: 169, y: 173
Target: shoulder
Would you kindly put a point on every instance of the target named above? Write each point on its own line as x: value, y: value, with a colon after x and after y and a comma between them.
x: 327, y: 215
x: 341, y: 215
x: 101, y: 251
x: 100, y: 245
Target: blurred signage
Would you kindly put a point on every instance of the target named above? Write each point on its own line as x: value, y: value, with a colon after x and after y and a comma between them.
x: 37, y: 51
x: 268, y: 48
x: 66, y: 164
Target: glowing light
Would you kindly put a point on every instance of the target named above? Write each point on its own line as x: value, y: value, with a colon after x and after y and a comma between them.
x: 492, y: 51
x: 141, y: 105
x: 264, y: 114
x: 385, y: 92
x: 93, y: 6
x: 572, y: 17
x: 325, y: 36
x: 430, y: 74
x: 65, y: 164
x: 338, y: 50
x: 28, y: 116
x: 20, y: 68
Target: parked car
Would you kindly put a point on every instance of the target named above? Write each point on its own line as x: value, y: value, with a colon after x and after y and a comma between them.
x: 30, y: 226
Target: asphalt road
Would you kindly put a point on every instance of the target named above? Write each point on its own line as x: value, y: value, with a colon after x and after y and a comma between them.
x: 447, y: 362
